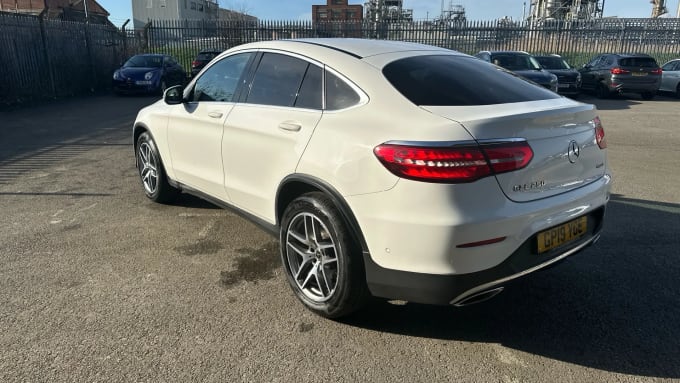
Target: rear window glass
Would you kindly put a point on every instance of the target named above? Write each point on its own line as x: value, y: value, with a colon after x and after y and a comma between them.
x: 449, y: 80
x: 640, y: 62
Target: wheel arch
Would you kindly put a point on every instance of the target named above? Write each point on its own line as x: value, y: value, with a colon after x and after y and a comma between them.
x: 296, y: 185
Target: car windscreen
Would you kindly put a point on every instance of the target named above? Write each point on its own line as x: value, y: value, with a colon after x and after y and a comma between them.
x: 205, y: 56
x: 515, y: 61
x: 639, y: 62
x: 552, y: 63
x: 451, y: 80
x: 144, y: 62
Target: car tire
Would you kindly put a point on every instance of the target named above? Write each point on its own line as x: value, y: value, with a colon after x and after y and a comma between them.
x: 151, y: 171
x: 322, y: 262
x: 601, y: 91
x: 647, y: 95
x: 677, y: 91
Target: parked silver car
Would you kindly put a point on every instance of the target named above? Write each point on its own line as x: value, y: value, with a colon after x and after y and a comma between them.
x: 670, y: 78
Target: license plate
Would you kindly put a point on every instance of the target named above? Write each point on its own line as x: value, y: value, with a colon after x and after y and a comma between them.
x: 142, y: 82
x: 560, y: 235
x: 639, y: 73
x: 563, y: 85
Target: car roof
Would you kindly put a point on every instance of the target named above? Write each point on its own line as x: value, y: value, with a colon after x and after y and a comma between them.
x: 624, y: 55
x: 359, y: 48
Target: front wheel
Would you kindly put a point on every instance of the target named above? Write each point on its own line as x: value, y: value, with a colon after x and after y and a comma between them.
x: 151, y: 171
x: 322, y: 263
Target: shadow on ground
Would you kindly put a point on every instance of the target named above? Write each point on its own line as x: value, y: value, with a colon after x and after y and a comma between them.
x: 605, y: 308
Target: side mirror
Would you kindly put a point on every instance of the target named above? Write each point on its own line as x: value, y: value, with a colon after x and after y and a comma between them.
x: 174, y: 95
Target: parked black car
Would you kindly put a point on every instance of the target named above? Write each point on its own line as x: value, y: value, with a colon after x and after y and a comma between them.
x: 621, y: 73
x: 202, y: 59
x: 148, y: 73
x: 523, y: 64
x: 568, y: 77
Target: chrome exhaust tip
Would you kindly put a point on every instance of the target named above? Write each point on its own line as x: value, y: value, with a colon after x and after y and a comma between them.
x: 478, y: 297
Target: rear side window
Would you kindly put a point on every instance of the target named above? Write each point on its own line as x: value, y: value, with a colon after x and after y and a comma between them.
x: 277, y: 80
x: 449, y: 80
x: 639, y: 62
x: 339, y: 95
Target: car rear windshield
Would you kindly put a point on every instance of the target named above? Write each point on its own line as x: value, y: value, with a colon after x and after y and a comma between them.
x: 639, y: 62
x: 450, y: 80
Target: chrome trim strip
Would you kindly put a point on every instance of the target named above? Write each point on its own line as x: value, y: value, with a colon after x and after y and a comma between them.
x: 456, y: 301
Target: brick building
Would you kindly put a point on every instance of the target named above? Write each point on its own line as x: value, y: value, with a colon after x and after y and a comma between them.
x: 71, y: 10
x: 337, y: 10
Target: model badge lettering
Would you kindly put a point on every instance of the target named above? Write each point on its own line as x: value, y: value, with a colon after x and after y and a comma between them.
x: 529, y: 186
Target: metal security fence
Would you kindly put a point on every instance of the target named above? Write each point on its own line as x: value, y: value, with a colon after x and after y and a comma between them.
x: 51, y: 58
x: 42, y: 58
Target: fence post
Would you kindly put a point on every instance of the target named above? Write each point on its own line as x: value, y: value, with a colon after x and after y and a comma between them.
x: 125, y: 45
x: 90, y: 56
x: 145, y: 35
x: 46, y: 56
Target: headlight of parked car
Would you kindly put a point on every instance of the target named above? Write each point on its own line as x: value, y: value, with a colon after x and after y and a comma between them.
x: 553, y: 79
x: 116, y: 75
x: 149, y: 75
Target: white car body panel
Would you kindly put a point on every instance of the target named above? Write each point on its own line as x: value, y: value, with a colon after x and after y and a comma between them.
x: 258, y: 152
x: 194, y: 137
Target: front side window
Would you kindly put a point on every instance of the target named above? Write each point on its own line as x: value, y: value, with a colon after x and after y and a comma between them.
x: 220, y: 81
x: 448, y: 80
x: 277, y: 80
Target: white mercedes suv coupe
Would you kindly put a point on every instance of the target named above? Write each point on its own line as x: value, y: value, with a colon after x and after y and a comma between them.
x: 387, y: 169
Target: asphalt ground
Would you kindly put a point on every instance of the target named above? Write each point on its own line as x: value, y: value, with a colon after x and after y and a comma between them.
x: 98, y: 284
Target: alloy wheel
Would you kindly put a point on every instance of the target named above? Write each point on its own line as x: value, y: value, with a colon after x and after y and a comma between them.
x: 312, y: 257
x: 148, y: 167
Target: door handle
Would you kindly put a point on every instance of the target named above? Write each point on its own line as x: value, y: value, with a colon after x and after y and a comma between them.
x: 215, y: 114
x: 290, y: 126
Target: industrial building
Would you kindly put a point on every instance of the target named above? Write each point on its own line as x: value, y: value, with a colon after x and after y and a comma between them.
x: 387, y: 11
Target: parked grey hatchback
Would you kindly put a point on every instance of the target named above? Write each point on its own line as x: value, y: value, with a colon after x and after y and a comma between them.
x: 607, y: 74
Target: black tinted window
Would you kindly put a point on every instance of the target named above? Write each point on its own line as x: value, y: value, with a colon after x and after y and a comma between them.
x: 456, y: 80
x: 639, y: 62
x: 220, y: 81
x: 277, y: 80
x: 552, y: 63
x: 310, y: 92
x: 339, y: 95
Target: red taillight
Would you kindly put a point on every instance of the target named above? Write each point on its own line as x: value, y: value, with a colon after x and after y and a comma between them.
x: 453, y: 164
x: 195, y: 63
x: 599, y: 133
x: 619, y: 71
x: 657, y: 71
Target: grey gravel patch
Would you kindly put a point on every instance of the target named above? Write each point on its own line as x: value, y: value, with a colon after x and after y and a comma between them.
x: 305, y: 327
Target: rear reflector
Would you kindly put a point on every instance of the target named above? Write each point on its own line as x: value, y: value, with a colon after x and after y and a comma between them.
x: 453, y: 164
x: 195, y: 63
x: 481, y: 243
x: 599, y: 133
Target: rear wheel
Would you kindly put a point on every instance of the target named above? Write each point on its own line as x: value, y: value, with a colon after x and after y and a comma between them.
x: 322, y: 263
x: 151, y: 171
x: 647, y: 95
x: 601, y: 91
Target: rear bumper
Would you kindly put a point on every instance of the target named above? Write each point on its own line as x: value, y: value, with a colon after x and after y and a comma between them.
x: 456, y: 289
x: 624, y: 87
